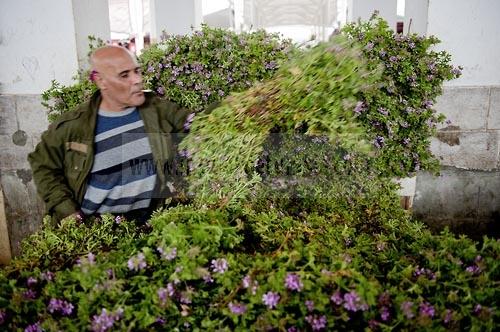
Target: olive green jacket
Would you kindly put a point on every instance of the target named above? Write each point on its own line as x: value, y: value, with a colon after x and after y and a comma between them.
x: 62, y: 161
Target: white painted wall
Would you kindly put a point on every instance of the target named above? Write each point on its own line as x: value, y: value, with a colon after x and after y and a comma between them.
x: 175, y: 17
x: 415, y: 19
x: 364, y: 9
x: 37, y: 44
x: 91, y: 19
x: 470, y: 31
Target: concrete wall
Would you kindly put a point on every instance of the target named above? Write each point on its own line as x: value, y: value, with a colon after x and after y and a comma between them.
x: 39, y: 41
x: 466, y: 195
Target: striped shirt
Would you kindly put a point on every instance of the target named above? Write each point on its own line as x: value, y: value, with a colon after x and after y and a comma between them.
x: 123, y: 176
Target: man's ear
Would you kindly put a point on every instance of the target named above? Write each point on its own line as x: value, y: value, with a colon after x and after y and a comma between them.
x: 98, y: 80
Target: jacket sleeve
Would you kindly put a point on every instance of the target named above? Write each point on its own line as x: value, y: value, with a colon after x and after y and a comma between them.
x: 47, y: 164
x: 181, y: 118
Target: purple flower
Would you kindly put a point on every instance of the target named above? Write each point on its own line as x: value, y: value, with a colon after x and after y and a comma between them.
x: 406, y: 141
x: 246, y: 281
x: 237, y: 308
x: 347, y: 157
x: 170, y: 255
x: 424, y: 272
x: 151, y: 69
x: 60, y: 306
x: 34, y: 328
x: 293, y: 282
x: 407, y: 309
x: 219, y: 265
x: 30, y: 294
x: 382, y: 53
x: 221, y: 93
x: 91, y: 258
x: 160, y: 90
x: 427, y: 103
x: 207, y: 278
x: 393, y: 58
x: 136, y: 263
x: 271, y: 299
x: 118, y: 219
x: 448, y: 315
x: 271, y: 65
x: 337, y: 298
x: 353, y: 302
x: 385, y: 314
x: 473, y: 269
x: 31, y: 282
x: 477, y: 309
x: 383, y: 111
x: 379, y: 142
x: 317, y: 322
x: 309, y: 305
x: 456, y: 71
x: 3, y: 317
x: 47, y: 276
x: 185, y: 298
x: 102, y: 322
x: 384, y: 299
x: 369, y: 46
x: 292, y: 329
x: 162, y: 295
x: 426, y: 310
x: 360, y: 107
x: 189, y: 121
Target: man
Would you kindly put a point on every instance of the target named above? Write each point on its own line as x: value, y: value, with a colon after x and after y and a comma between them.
x: 108, y: 155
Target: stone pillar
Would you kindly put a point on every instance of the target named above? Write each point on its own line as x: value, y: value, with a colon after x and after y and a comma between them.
x: 363, y: 9
x: 91, y: 18
x: 5, y: 254
x: 416, y: 12
x: 174, y: 17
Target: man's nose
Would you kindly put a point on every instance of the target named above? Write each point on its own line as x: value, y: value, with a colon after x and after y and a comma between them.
x: 137, y: 78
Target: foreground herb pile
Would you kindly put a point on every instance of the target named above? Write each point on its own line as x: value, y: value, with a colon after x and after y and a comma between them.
x: 263, y: 268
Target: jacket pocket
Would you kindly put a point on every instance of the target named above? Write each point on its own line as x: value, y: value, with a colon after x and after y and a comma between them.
x: 74, y: 162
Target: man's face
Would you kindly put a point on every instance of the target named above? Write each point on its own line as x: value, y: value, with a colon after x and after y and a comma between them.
x: 121, y: 82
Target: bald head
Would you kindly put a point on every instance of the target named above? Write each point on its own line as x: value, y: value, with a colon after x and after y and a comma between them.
x: 118, y: 76
x: 105, y: 56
